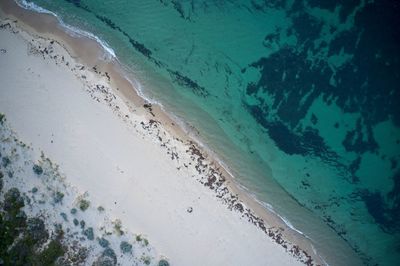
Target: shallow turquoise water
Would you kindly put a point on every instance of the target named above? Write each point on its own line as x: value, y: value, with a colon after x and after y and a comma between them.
x: 299, y: 98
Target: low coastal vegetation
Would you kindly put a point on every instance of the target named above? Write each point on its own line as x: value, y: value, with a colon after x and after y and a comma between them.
x: 44, y: 222
x: 22, y: 239
x: 37, y: 169
x: 84, y: 204
x: 163, y: 262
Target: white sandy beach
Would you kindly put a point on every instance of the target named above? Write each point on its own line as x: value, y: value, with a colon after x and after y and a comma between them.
x: 131, y: 165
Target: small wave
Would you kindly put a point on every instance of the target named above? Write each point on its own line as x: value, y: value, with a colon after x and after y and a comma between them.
x: 271, y: 209
x: 316, y: 253
x: 127, y: 73
x: 71, y: 30
x: 291, y: 226
x: 32, y: 6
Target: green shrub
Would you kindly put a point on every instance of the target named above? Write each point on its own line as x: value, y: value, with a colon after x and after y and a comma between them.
x: 89, y: 233
x: 37, y: 169
x: 12, y: 223
x: 104, y: 261
x: 108, y: 252
x: 125, y: 247
x: 5, y: 161
x: 58, y: 197
x: 64, y: 216
x: 53, y: 251
x: 77, y: 257
x: 163, y: 262
x: 76, y: 222
x: 118, y: 227
x: 36, y: 230
x: 84, y: 204
x: 20, y: 237
x: 1, y: 181
x: 104, y: 243
x: 146, y: 260
x: 13, y: 201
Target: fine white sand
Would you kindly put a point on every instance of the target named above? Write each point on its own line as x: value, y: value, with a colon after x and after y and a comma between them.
x: 133, y: 167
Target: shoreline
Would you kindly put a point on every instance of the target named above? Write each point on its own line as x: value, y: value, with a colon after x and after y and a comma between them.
x: 124, y: 88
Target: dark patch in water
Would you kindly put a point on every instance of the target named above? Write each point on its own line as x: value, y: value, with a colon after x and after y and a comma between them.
x: 78, y: 4
x: 393, y: 163
x: 251, y: 88
x: 367, y: 84
x: 306, y: 27
x: 353, y: 168
x: 285, y: 139
x: 179, y: 7
x: 394, y: 196
x: 108, y: 22
x: 357, y: 142
x: 187, y: 82
x: 307, y: 143
x: 288, y: 93
x: 375, y: 206
x: 385, y: 212
x: 140, y: 47
x: 135, y: 44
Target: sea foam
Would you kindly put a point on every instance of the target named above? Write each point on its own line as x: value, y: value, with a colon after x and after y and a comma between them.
x: 71, y: 30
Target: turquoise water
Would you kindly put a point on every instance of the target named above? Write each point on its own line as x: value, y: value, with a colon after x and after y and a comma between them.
x: 299, y: 98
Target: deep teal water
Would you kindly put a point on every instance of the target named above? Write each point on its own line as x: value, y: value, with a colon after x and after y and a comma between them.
x: 301, y: 99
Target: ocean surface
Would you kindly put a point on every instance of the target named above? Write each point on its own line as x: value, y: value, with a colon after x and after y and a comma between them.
x: 300, y: 99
